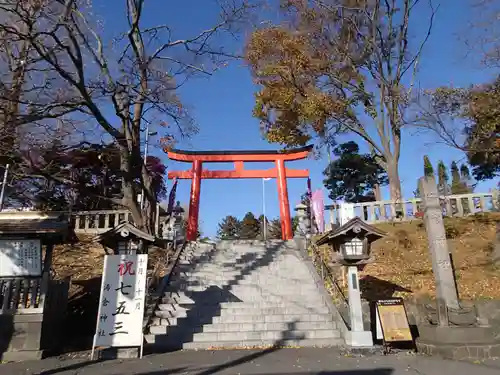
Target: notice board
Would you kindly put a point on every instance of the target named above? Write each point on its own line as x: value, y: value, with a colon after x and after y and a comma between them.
x: 394, y: 320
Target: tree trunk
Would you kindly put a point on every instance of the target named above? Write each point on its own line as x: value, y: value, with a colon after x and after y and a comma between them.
x: 129, y: 199
x: 394, y: 181
x: 377, y: 192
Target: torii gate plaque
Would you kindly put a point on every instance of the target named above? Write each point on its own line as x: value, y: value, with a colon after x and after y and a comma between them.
x: 280, y: 172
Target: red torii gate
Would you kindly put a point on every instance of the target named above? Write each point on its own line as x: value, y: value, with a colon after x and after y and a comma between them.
x: 280, y: 172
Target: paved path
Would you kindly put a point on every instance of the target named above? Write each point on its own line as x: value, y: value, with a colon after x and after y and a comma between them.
x: 276, y: 362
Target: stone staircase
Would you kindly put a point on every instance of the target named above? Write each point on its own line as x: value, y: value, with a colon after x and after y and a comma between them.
x: 241, y: 294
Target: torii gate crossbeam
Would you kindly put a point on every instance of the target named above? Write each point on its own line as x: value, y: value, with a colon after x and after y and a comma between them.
x: 280, y: 172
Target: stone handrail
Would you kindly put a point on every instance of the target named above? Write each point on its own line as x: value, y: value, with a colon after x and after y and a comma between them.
x: 97, y: 222
x: 83, y: 222
x: 158, y: 294
x: 410, y: 209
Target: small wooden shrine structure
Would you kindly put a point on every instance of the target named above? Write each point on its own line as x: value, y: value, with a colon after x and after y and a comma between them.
x: 31, y: 303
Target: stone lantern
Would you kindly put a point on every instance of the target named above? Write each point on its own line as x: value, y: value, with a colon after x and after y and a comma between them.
x: 174, y: 228
x: 304, y: 221
x: 352, y: 243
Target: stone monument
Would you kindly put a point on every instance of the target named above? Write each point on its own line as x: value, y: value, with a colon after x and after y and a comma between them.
x: 449, y: 329
x: 438, y: 246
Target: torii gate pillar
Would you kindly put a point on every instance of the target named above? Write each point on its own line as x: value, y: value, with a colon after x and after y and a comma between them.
x: 280, y: 172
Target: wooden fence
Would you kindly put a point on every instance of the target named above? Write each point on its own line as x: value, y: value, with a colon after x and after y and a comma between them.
x: 23, y: 295
x: 387, y: 211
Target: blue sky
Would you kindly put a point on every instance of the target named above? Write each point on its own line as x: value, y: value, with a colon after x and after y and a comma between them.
x: 222, y: 107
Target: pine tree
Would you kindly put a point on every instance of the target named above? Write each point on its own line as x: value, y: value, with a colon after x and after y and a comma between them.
x: 465, y: 173
x: 229, y: 228
x: 275, y: 229
x: 443, y: 187
x: 250, y: 227
x: 456, y: 180
x: 261, y: 226
x: 459, y: 185
x: 466, y: 178
x: 428, y: 172
x: 428, y: 169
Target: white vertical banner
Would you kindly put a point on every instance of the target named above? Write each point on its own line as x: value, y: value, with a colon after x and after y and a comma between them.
x: 121, y: 304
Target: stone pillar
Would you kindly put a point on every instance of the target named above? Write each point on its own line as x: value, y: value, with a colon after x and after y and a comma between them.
x: 441, y: 265
x: 346, y: 212
x: 357, y: 336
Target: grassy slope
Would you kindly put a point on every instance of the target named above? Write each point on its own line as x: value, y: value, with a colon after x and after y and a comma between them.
x: 402, y: 261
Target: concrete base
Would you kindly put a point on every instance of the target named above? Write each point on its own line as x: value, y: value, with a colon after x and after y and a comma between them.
x: 454, y: 334
x: 459, y: 352
x: 459, y: 343
x: 359, y: 339
x: 118, y: 353
x: 21, y: 355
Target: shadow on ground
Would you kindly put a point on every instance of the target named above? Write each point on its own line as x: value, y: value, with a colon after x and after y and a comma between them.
x: 377, y: 371
x: 374, y: 289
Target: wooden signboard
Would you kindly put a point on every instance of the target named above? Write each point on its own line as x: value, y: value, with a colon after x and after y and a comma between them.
x: 121, y: 305
x: 20, y: 257
x: 393, y: 320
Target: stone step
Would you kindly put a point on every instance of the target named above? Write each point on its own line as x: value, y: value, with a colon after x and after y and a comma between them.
x: 235, y: 283
x: 208, y: 313
x: 248, y: 306
x: 243, y: 289
x: 269, y: 298
x: 160, y: 343
x: 215, y: 337
x: 286, y: 274
x: 242, y: 319
x: 245, y: 327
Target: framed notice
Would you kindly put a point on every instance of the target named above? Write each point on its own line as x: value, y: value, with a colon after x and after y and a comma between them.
x: 20, y: 257
x: 121, y: 304
x: 393, y: 320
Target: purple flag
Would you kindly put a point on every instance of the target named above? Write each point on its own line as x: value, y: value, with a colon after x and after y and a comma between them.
x: 171, y: 197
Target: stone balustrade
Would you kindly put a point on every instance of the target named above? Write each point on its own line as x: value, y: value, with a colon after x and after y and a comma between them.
x: 97, y: 222
x: 410, y: 209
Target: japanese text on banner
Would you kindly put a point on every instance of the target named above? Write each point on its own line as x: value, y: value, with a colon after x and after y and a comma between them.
x: 121, y: 309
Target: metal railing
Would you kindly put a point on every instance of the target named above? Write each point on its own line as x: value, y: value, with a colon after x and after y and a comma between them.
x: 157, y: 286
x: 330, y: 282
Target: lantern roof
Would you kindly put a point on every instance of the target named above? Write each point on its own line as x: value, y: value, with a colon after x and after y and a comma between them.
x: 124, y: 231
x: 353, y: 228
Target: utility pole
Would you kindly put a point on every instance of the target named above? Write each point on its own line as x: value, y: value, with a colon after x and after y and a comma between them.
x: 4, y: 182
x: 148, y: 134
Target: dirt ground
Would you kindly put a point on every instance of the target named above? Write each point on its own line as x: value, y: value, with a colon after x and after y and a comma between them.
x: 402, y: 266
